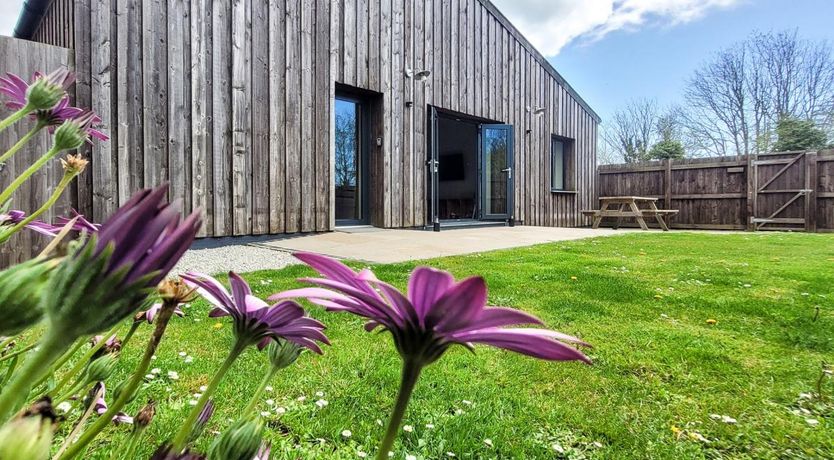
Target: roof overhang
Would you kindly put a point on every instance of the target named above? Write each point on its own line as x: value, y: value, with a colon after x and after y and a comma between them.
x: 30, y: 18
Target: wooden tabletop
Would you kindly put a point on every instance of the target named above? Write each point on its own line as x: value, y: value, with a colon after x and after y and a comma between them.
x: 626, y: 198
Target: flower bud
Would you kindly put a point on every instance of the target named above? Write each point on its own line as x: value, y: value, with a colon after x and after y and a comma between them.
x: 175, y: 290
x: 201, y: 422
x: 21, y: 287
x: 74, y: 164
x: 48, y: 90
x: 101, y: 368
x: 145, y: 415
x: 30, y: 435
x: 240, y: 442
x: 73, y: 132
x: 121, y: 387
x: 282, y: 353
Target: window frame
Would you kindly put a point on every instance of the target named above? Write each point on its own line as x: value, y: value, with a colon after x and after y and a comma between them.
x: 568, y: 164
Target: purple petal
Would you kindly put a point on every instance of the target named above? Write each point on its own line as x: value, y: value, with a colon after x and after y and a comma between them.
x: 425, y: 286
x: 240, y: 288
x: 538, y: 343
x: 458, y: 306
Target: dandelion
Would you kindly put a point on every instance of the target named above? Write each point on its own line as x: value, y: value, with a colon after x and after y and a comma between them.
x: 437, y: 313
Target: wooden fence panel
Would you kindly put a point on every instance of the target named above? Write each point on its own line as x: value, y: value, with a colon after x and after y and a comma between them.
x: 24, y: 58
x: 794, y: 190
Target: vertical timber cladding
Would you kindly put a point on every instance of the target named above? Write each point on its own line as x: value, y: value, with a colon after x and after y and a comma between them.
x: 230, y: 102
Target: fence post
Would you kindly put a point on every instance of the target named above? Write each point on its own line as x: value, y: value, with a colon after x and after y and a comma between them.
x: 811, y: 179
x: 751, y: 192
x: 667, y: 185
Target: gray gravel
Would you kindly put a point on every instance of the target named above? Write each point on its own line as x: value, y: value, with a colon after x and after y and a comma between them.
x: 240, y: 258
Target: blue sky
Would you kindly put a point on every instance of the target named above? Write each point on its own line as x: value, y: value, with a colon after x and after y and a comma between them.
x: 615, y: 50
x: 654, y: 55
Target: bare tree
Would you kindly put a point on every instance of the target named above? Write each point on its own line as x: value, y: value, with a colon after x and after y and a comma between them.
x: 635, y: 128
x: 630, y: 132
x: 734, y: 101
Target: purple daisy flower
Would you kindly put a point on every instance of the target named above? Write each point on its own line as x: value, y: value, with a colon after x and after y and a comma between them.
x: 81, y: 224
x: 254, y: 320
x: 149, y: 314
x: 437, y: 312
x: 15, y: 89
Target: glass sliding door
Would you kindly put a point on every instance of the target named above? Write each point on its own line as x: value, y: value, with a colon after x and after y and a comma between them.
x: 351, y: 162
x: 497, y: 171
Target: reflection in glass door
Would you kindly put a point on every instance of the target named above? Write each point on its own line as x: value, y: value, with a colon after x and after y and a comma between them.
x: 497, y: 171
x: 351, y: 160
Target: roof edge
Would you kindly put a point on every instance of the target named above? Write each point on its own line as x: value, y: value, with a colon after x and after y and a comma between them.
x: 539, y: 57
x: 30, y: 18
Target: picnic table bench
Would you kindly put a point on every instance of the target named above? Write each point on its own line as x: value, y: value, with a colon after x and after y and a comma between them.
x: 628, y: 207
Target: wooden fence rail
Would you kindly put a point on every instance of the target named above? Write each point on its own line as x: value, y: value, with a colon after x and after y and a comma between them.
x: 774, y: 191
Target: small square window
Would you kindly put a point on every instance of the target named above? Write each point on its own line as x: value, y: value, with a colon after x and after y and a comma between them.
x: 561, y: 164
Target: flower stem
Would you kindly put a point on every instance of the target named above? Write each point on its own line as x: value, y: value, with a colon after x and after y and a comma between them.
x: 17, y: 390
x: 60, y: 362
x: 82, y: 363
x: 130, y: 333
x: 65, y: 181
x: 270, y: 374
x: 81, y: 422
x: 185, y: 428
x: 11, y: 119
x: 5, y: 343
x: 129, y: 389
x: 19, y: 180
x: 19, y: 351
x: 23, y: 141
x: 135, y: 435
x: 410, y: 374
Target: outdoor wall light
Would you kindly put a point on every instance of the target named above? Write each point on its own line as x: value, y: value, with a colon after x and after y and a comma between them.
x: 538, y: 111
x: 418, y: 76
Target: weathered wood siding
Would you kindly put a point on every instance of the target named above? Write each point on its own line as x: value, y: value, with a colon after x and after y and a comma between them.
x: 57, y: 26
x: 24, y: 58
x: 794, y: 189
x: 231, y: 102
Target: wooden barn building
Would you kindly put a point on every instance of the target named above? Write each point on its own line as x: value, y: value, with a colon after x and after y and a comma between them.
x: 284, y: 116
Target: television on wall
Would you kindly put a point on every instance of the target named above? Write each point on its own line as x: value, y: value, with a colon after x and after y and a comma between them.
x: 451, y: 167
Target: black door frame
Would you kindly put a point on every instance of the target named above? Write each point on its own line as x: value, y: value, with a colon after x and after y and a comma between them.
x: 364, y: 176
x: 432, y: 182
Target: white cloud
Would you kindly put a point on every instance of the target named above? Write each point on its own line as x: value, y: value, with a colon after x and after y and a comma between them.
x: 552, y: 24
x: 11, y: 11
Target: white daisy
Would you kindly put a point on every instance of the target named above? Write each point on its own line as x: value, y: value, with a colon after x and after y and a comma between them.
x: 408, y: 428
x: 346, y: 433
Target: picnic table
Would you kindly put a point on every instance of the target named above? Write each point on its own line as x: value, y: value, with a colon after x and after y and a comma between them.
x: 629, y: 207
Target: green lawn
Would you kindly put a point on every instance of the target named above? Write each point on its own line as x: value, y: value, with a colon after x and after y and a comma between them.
x: 660, y: 372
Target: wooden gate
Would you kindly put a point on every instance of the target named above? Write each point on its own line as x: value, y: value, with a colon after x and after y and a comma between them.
x: 782, y: 189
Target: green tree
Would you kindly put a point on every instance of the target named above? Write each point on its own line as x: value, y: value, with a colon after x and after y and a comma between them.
x: 667, y: 149
x: 798, y: 134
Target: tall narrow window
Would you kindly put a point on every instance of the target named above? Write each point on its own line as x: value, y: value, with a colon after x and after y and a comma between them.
x: 349, y: 160
x: 561, y: 164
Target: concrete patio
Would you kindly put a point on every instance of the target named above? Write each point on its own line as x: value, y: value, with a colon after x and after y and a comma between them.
x: 373, y: 245
x: 378, y: 245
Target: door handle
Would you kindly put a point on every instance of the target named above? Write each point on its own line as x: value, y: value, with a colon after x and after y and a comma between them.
x: 509, y: 172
